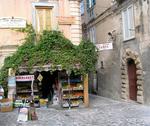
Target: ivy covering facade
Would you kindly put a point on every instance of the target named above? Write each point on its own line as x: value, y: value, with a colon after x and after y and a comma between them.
x: 51, y: 48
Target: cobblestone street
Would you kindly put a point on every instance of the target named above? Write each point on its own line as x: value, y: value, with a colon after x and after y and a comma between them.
x: 102, y: 112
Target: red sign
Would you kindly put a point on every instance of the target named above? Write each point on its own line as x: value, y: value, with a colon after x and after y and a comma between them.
x: 25, y: 78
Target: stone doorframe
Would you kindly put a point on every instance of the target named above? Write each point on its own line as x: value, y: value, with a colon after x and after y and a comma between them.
x: 129, y: 54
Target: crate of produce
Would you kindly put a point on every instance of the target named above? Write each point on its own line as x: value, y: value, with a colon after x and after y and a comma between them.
x: 6, y: 105
x: 18, y: 103
x: 43, y: 102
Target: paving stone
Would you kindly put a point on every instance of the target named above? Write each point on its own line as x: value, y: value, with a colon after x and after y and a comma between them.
x: 102, y: 112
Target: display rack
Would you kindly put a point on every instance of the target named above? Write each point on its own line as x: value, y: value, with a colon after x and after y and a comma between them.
x: 72, y: 92
x: 25, y: 86
x: 23, y: 89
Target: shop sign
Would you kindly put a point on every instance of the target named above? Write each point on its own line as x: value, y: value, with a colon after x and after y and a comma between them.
x: 66, y: 20
x: 11, y: 81
x: 104, y: 46
x: 12, y: 23
x: 25, y: 78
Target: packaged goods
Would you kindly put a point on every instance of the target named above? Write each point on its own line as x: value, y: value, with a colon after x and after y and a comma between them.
x: 43, y: 102
x: 23, y: 115
x: 18, y: 103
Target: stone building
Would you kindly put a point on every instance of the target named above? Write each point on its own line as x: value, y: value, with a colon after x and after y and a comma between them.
x: 63, y: 15
x: 120, y: 29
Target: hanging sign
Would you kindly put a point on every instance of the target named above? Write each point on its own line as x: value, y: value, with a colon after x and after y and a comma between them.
x: 12, y: 23
x: 25, y: 78
x: 104, y: 46
x: 40, y: 77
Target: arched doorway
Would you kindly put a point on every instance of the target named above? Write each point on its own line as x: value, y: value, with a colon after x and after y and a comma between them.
x: 132, y: 72
x: 132, y: 79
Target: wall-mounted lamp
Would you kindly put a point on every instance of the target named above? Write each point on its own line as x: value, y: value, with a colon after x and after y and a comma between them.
x: 112, y: 35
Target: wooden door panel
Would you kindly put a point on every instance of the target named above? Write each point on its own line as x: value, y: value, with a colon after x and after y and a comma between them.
x: 132, y: 80
x: 43, y: 19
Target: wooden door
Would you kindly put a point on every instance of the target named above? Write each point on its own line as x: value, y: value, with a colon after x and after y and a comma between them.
x: 43, y: 19
x: 132, y: 80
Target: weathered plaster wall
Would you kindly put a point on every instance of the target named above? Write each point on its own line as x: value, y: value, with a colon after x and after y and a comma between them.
x: 101, y: 6
x: 109, y: 78
x: 10, y: 39
x: 140, y: 45
x: 113, y: 78
x: 145, y: 47
x: 14, y: 8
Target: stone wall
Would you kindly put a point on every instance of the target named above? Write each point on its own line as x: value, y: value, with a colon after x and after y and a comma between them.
x: 129, y: 54
x: 76, y: 32
x: 113, y: 77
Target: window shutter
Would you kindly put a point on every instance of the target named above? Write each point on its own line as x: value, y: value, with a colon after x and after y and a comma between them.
x: 87, y: 1
x: 128, y: 23
x: 131, y: 21
x: 125, y: 24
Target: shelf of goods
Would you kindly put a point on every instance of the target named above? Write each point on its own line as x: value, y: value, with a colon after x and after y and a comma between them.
x: 24, y: 91
x: 72, y: 94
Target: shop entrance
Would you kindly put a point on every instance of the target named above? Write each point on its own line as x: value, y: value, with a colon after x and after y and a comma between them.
x: 132, y: 79
x: 48, y: 84
x: 47, y: 88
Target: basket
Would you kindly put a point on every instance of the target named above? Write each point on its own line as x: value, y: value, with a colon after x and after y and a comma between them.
x: 6, y: 105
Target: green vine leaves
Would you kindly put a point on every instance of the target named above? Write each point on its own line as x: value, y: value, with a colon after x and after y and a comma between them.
x: 51, y: 48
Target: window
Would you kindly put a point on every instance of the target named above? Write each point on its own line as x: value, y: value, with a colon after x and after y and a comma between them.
x: 90, y: 3
x: 92, y: 34
x: 82, y: 7
x: 43, y: 19
x: 90, y: 9
x: 128, y: 23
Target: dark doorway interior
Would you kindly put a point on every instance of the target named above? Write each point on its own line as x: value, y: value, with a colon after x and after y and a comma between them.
x: 132, y: 79
x: 47, y: 84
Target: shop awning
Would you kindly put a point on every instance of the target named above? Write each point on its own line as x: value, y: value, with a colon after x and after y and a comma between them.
x: 39, y: 68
